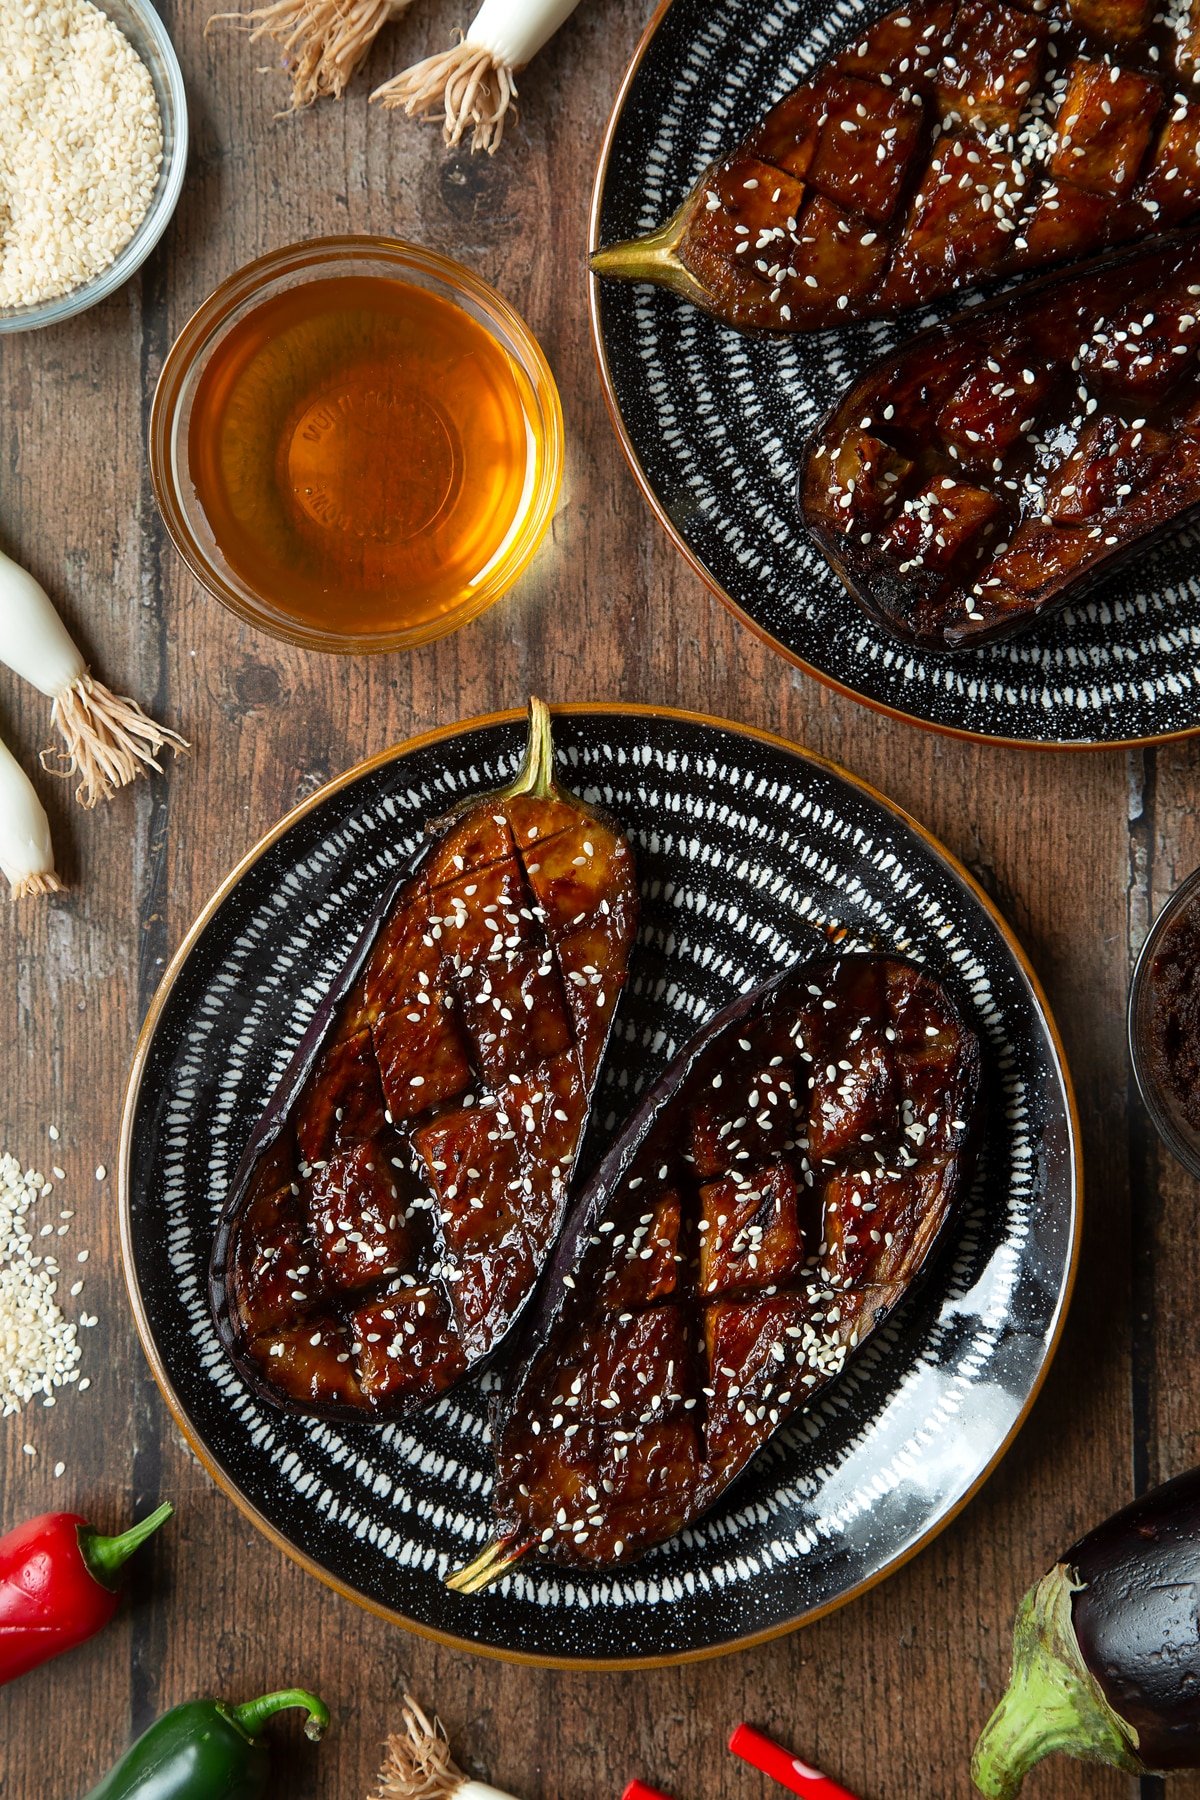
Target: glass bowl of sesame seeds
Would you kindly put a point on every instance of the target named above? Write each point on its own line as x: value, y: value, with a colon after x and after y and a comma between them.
x: 45, y: 257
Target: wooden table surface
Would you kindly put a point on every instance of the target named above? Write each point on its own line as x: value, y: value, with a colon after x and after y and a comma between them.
x: 1078, y: 850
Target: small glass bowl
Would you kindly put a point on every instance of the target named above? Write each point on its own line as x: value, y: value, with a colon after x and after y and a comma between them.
x: 148, y: 35
x: 248, y: 289
x: 1181, y: 1139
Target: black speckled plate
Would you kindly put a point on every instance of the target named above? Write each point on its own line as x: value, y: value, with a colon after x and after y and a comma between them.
x: 712, y: 421
x: 750, y: 854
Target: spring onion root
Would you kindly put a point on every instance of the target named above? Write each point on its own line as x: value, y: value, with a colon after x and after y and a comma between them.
x: 473, y: 84
x: 107, y: 738
x: 418, y: 1765
x: 26, y: 854
x: 323, y: 41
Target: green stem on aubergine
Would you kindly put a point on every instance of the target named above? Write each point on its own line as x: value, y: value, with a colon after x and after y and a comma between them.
x: 1052, y: 1703
x: 654, y: 257
x: 536, y: 774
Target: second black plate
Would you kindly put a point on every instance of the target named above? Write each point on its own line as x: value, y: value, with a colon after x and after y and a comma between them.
x: 713, y: 422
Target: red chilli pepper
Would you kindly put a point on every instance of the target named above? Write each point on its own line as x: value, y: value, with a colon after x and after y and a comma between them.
x: 772, y: 1759
x: 59, y: 1585
x: 637, y: 1790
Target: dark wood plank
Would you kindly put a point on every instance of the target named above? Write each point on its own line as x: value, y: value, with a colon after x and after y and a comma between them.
x: 888, y: 1693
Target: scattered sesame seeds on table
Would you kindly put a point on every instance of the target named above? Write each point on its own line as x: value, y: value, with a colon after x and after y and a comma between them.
x: 39, y: 1344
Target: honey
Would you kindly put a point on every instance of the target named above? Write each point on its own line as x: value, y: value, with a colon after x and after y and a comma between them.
x: 364, y: 454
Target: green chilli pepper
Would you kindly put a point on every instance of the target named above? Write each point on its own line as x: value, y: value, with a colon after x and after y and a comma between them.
x: 206, y: 1750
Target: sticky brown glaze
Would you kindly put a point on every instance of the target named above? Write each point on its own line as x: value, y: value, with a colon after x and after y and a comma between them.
x: 996, y: 467
x: 775, y: 1198
x: 958, y: 142
x: 383, y: 1240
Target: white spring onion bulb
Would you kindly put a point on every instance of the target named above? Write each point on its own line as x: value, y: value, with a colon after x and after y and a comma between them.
x: 418, y: 1765
x: 322, y: 41
x: 26, y: 854
x: 107, y: 738
x: 473, y: 83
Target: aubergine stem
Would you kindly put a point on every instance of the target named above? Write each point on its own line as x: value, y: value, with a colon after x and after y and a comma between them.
x: 1052, y: 1702
x: 654, y: 258
x: 488, y: 1566
x: 535, y: 776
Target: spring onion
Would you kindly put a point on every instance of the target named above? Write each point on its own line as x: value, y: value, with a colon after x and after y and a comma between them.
x: 108, y: 739
x: 474, y: 81
x: 323, y: 41
x: 418, y: 1764
x: 26, y: 854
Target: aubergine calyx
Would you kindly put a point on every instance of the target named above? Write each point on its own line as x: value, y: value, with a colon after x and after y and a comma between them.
x: 535, y: 776
x: 655, y: 257
x: 1053, y: 1701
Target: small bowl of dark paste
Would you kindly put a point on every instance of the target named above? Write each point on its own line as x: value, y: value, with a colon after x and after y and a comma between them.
x: 1164, y: 1023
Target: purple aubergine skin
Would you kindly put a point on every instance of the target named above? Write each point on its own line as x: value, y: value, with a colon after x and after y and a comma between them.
x: 1137, y: 1618
x: 272, y: 1121
x: 591, y: 1204
x: 278, y: 1110
x: 886, y: 606
x: 588, y: 1209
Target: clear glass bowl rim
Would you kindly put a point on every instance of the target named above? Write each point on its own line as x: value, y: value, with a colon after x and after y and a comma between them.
x: 166, y: 194
x: 1163, y: 1116
x: 254, y: 281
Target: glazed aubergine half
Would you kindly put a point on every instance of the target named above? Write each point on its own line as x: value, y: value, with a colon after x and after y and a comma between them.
x: 998, y: 466
x: 957, y: 142
x: 775, y: 1197
x: 404, y: 1188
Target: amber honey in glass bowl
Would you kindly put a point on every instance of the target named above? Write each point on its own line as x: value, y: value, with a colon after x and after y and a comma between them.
x: 356, y: 444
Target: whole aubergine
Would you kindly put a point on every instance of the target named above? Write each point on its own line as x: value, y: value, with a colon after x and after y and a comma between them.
x: 1106, y: 1650
x: 403, y: 1190
x: 957, y: 142
x: 775, y: 1197
x: 995, y: 467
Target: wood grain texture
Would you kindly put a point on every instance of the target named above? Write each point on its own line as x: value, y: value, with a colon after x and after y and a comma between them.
x: 1078, y: 850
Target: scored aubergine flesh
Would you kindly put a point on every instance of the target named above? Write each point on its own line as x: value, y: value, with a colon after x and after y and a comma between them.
x: 957, y: 142
x: 398, y: 1204
x: 775, y: 1197
x: 997, y: 466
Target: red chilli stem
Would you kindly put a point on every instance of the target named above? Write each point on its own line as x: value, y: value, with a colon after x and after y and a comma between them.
x: 106, y: 1556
